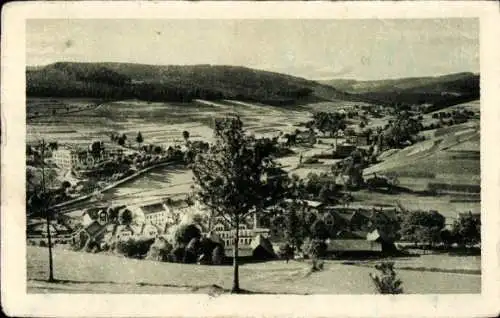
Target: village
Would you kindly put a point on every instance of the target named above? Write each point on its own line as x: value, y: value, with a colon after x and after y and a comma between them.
x: 333, y: 149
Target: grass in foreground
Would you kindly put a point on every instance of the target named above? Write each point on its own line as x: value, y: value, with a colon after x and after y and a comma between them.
x: 94, y: 273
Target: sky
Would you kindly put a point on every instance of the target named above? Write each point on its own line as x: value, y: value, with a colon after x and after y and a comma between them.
x: 314, y: 49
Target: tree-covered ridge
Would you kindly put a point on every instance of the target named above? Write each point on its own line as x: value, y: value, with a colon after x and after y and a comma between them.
x: 171, y: 83
x: 438, y: 92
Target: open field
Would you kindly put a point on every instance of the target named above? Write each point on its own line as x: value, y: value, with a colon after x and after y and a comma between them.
x: 159, y: 123
x: 96, y: 273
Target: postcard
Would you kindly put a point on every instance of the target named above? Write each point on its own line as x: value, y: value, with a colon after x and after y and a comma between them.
x: 250, y: 159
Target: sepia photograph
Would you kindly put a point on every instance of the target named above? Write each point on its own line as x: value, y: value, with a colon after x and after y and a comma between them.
x: 252, y: 156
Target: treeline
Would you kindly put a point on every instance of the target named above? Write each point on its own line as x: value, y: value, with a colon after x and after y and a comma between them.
x: 175, y: 84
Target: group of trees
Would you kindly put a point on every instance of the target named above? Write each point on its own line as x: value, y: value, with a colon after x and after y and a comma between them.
x: 329, y: 123
x: 428, y: 227
x: 400, y: 130
x: 120, y: 139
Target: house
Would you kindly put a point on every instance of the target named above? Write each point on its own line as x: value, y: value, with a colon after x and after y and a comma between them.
x: 91, y: 233
x: 341, y: 247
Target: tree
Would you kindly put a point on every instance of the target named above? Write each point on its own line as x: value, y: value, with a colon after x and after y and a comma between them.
x: 294, y: 231
x: 185, y: 233
x: 467, y: 229
x: 121, y: 141
x: 231, y: 179
x: 422, y: 226
x: 125, y: 217
x: 185, y: 135
x: 96, y: 148
x: 139, y: 139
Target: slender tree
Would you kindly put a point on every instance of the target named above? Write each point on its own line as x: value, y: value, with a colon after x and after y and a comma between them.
x: 139, y: 139
x: 185, y: 135
x: 46, y: 211
x: 231, y: 179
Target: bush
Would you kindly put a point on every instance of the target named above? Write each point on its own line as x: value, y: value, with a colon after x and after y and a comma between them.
x: 285, y: 251
x: 159, y: 250
x: 177, y: 254
x: 217, y: 255
x: 134, y: 248
x: 185, y: 233
x: 314, y: 248
x: 387, y: 281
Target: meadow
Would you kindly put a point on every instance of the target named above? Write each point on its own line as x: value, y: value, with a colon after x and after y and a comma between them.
x: 98, y: 273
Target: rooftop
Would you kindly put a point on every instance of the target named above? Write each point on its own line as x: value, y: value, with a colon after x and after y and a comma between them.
x: 152, y: 208
x: 353, y: 245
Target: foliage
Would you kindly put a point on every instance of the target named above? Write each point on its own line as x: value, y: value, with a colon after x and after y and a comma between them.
x: 231, y: 177
x: 125, y: 216
x: 403, y: 128
x: 422, y: 226
x: 387, y: 281
x: 134, y: 248
x: 286, y: 251
x: 329, y: 122
x: 165, y: 83
x: 314, y: 248
x: 466, y: 229
x: 159, y: 250
x: 218, y: 255
x: 294, y: 229
x: 185, y: 233
x: 389, y: 226
x: 139, y: 139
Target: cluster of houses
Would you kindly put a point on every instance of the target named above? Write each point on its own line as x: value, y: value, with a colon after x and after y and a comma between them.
x: 350, y: 229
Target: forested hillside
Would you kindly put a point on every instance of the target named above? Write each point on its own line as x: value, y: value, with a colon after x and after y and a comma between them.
x: 173, y: 83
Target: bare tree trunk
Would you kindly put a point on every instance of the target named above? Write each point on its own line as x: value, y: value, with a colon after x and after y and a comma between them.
x: 51, y: 266
x: 46, y: 211
x: 236, y: 278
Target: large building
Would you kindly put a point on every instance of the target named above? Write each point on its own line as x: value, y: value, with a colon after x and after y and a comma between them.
x: 157, y: 214
x: 68, y: 157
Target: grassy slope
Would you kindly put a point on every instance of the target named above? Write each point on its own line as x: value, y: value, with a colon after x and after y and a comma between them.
x: 108, y: 274
x: 445, y: 155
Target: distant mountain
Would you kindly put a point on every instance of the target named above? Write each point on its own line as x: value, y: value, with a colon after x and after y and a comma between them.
x: 439, y: 91
x: 174, y: 83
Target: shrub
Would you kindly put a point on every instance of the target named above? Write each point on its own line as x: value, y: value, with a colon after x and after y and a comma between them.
x: 314, y: 248
x: 177, y: 254
x: 285, y: 251
x: 134, y: 248
x: 217, y: 255
x: 159, y: 250
x: 185, y: 233
x: 387, y: 281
